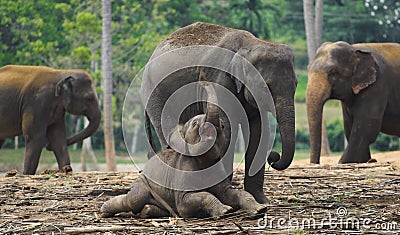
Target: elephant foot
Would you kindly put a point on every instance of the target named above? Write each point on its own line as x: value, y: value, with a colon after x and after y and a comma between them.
x: 151, y: 211
x: 352, y: 161
x: 262, y: 208
x: 113, y: 206
x: 106, y: 211
x: 259, y: 196
x: 66, y: 169
x: 28, y: 172
x: 259, y: 212
x: 221, y: 211
x: 107, y: 215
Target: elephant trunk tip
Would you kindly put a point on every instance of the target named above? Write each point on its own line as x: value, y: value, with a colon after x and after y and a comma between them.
x: 274, y: 160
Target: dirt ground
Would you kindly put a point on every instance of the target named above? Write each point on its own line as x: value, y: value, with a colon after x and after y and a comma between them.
x: 317, y: 199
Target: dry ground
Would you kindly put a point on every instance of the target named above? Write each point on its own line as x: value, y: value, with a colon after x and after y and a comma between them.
x: 329, y: 198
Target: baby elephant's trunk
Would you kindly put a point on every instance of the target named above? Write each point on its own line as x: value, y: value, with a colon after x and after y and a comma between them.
x: 212, y: 112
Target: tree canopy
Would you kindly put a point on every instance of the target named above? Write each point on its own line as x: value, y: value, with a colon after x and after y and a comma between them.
x: 67, y: 33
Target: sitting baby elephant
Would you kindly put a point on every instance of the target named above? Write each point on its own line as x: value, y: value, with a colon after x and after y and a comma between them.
x: 152, y: 199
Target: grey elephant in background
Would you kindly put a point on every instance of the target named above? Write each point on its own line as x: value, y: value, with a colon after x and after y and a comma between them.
x: 33, y: 102
x: 151, y: 199
x: 365, y: 77
x: 275, y: 63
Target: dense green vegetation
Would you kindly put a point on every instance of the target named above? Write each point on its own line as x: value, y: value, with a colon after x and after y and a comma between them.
x: 67, y: 34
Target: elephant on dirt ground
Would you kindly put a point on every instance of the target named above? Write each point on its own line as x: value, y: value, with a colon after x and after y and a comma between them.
x: 204, y: 137
x: 365, y: 77
x: 273, y: 62
x: 33, y: 102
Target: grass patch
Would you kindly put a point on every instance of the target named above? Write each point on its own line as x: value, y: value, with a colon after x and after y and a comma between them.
x: 47, y: 157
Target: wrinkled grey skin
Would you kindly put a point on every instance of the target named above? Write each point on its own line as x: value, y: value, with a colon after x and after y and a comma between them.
x: 275, y: 62
x: 215, y: 201
x: 33, y: 102
x: 365, y: 77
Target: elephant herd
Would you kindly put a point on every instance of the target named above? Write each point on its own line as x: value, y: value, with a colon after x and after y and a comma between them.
x: 244, y: 79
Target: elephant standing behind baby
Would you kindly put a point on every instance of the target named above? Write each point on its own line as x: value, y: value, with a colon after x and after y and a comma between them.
x: 365, y: 77
x: 273, y: 61
x: 33, y: 102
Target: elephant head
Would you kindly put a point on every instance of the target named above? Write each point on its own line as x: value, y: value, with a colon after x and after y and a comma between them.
x: 202, y: 134
x: 79, y: 98
x: 339, y: 71
x: 275, y: 63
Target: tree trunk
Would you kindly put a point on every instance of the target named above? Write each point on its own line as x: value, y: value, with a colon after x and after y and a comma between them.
x: 313, y: 24
x: 309, y: 22
x: 136, y: 129
x: 16, y: 144
x: 319, y: 14
x: 106, y: 70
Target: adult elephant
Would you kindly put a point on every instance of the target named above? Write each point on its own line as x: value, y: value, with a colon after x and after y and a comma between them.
x: 365, y: 78
x: 275, y: 63
x: 33, y: 102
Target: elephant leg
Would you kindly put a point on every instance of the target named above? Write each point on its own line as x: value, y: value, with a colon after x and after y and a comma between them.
x: 199, y: 203
x: 229, y: 151
x: 134, y: 201
x: 347, y: 121
x: 35, y: 140
x: 238, y: 199
x: 364, y: 131
x: 57, y: 138
x: 1, y: 143
x: 357, y: 150
x: 153, y: 211
x: 254, y: 183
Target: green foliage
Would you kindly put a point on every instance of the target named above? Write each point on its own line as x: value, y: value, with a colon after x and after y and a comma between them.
x: 387, y: 15
x: 386, y: 143
x: 302, y: 139
x: 300, y: 95
x: 28, y: 32
x: 335, y: 135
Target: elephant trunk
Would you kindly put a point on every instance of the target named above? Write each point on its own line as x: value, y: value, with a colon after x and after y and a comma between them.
x: 94, y: 117
x: 286, y: 121
x: 212, y: 112
x: 317, y: 94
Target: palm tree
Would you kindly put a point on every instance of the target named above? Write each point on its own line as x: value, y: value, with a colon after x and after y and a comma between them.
x: 252, y: 16
x: 313, y: 24
x: 106, y: 70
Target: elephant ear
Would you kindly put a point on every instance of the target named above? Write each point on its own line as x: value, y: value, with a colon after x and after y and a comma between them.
x: 64, y: 88
x: 237, y: 67
x: 365, y: 71
x: 176, y: 139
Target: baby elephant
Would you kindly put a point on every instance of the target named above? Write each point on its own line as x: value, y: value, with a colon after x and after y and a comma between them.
x: 181, y: 193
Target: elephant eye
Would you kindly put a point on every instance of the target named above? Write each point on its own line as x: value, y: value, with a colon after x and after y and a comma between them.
x: 194, y: 123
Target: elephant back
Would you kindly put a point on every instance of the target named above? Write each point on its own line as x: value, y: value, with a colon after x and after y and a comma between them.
x: 198, y: 33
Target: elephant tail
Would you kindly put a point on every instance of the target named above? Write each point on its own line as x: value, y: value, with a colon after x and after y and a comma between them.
x: 152, y: 137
